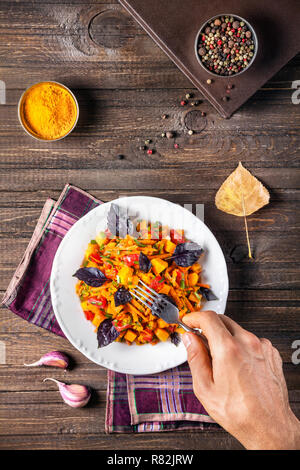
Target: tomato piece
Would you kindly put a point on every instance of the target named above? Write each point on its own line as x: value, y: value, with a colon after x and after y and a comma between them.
x: 179, y: 277
x: 147, y: 335
x: 155, y: 284
x: 172, y: 328
x: 110, y: 272
x: 101, y: 301
x: 120, y: 326
x: 96, y: 258
x: 130, y: 260
x: 89, y: 315
x: 177, y: 236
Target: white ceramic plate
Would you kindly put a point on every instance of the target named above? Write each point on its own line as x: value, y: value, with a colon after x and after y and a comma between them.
x: 120, y: 357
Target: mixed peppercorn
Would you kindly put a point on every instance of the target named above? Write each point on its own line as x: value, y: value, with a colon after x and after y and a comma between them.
x: 226, y: 45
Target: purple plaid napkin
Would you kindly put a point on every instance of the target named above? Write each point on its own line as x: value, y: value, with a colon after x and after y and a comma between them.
x: 160, y: 402
x: 151, y: 403
x: 28, y: 294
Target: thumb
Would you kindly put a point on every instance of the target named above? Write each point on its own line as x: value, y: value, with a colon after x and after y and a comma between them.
x: 199, y: 360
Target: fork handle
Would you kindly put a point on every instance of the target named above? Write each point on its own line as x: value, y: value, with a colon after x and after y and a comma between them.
x: 196, y: 332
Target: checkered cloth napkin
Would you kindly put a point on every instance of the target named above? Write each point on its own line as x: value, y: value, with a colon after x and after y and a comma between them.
x: 160, y: 402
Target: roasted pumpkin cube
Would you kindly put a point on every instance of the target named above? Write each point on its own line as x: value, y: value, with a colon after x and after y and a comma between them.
x: 90, y: 249
x: 196, y: 267
x: 159, y: 265
x: 124, y: 274
x: 193, y: 279
x: 169, y: 246
x: 162, y: 323
x: 165, y: 289
x: 130, y: 336
x: 162, y: 334
x: 98, y: 318
x: 87, y: 306
x: 180, y: 330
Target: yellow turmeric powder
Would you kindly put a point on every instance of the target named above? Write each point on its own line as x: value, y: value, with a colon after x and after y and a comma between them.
x: 48, y: 110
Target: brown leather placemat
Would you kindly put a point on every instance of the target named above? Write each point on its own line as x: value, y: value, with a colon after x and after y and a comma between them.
x: 174, y: 24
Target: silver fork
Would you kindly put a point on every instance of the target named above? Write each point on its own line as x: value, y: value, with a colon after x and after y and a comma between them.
x: 160, y: 306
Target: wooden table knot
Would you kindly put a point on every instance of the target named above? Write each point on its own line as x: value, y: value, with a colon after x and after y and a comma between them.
x: 111, y: 29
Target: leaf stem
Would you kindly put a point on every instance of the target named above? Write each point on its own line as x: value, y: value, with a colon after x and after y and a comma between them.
x: 246, y: 228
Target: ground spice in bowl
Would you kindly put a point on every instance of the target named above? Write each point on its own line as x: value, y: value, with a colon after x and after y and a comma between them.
x: 48, y: 111
x: 226, y: 45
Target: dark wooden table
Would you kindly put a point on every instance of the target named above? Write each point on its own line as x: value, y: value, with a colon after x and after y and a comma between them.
x: 124, y: 84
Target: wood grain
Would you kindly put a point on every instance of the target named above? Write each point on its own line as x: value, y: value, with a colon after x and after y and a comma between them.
x: 124, y: 84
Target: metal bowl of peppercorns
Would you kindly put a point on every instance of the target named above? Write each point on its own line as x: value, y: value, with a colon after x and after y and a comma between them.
x: 226, y: 45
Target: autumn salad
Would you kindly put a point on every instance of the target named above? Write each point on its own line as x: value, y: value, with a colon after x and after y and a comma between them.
x: 130, y: 251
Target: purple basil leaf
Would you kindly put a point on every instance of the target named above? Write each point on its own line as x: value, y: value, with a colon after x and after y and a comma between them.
x: 118, y: 222
x: 91, y: 276
x: 207, y: 293
x: 175, y: 338
x: 122, y: 296
x: 145, y: 263
x: 186, y: 254
x: 106, y: 333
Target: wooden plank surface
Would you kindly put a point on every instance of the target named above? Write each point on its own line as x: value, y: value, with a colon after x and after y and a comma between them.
x: 124, y: 84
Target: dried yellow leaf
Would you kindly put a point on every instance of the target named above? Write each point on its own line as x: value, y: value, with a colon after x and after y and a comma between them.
x: 241, y: 193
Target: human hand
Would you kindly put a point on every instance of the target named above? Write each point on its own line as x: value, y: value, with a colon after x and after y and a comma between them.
x: 240, y: 382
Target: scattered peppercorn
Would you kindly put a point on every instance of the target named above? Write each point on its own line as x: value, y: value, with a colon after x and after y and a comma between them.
x: 121, y: 157
x: 225, y: 98
x: 226, y: 46
x: 148, y: 141
x: 195, y: 103
x: 170, y: 135
x: 143, y: 147
x: 165, y: 116
x: 163, y: 134
x: 190, y: 132
x: 189, y: 96
x: 209, y: 81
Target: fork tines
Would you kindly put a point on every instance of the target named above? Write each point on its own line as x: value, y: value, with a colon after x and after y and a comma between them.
x: 146, y: 298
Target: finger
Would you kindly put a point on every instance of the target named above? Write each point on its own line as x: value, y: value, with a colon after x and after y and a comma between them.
x: 273, y: 356
x: 199, y: 362
x: 268, y: 353
x: 234, y: 328
x: 212, y: 327
x: 278, y: 363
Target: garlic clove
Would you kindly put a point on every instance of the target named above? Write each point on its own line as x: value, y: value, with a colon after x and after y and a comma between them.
x: 53, y: 358
x: 74, y: 395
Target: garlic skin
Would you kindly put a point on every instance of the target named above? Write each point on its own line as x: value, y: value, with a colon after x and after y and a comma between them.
x: 73, y: 395
x: 53, y: 358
